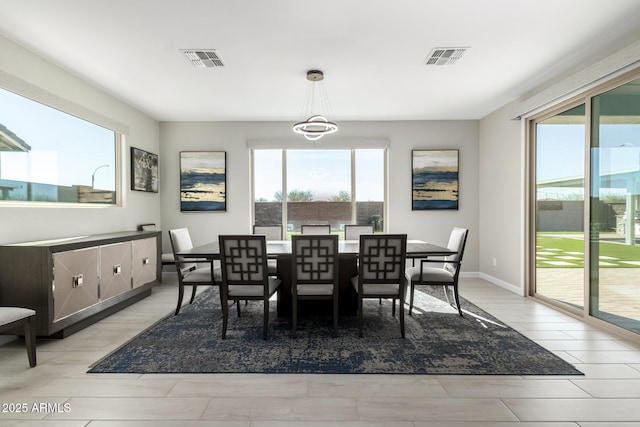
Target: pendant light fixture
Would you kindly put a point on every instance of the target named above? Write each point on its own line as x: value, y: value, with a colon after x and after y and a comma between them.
x: 317, y: 125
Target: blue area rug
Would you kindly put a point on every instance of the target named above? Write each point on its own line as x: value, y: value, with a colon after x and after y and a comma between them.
x: 437, y: 341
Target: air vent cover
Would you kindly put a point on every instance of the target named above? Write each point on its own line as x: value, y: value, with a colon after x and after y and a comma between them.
x: 203, y: 58
x: 445, y: 55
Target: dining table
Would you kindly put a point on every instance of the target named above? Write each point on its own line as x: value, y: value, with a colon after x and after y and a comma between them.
x: 348, y: 254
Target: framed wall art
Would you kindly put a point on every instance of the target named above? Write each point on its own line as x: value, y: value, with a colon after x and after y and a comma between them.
x: 434, y: 179
x: 203, y: 181
x: 144, y: 170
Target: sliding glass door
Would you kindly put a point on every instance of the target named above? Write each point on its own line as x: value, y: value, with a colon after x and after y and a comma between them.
x: 615, y: 215
x: 559, y: 207
x: 586, y: 159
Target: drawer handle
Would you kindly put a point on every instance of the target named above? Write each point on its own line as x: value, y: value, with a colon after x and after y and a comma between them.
x: 117, y: 269
x: 145, y: 261
x: 77, y: 281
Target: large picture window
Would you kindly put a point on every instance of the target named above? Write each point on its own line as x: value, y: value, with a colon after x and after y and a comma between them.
x: 48, y: 156
x: 335, y: 187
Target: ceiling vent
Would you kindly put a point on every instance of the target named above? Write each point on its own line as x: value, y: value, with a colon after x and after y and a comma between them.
x: 445, y: 55
x: 204, y: 58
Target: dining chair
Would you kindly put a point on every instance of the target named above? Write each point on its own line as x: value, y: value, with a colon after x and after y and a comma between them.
x: 271, y: 233
x: 167, y: 258
x: 353, y: 232
x: 245, y: 275
x: 315, y: 229
x: 200, y: 272
x: 446, y: 273
x: 381, y: 272
x: 314, y: 272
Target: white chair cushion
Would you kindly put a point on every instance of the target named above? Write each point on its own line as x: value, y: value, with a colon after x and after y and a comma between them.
x: 316, y: 289
x: 430, y: 274
x: 12, y: 314
x: 253, y: 290
x: 202, y: 274
x: 376, y: 288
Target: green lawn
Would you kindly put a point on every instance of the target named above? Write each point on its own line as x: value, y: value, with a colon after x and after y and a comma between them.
x: 562, y: 251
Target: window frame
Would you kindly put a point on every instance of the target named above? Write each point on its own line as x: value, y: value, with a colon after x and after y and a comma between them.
x: 51, y: 101
x: 353, y: 151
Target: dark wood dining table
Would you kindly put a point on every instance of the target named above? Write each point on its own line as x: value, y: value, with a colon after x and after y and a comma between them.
x: 348, y: 250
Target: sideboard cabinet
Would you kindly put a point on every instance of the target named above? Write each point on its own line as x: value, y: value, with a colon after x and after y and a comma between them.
x: 73, y: 282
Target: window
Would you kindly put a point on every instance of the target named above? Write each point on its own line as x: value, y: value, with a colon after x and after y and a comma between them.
x: 50, y: 156
x: 335, y: 187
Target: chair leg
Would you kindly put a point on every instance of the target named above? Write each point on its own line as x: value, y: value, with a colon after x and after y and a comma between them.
x: 265, y: 333
x: 30, y: 341
x: 401, y: 309
x: 180, y: 296
x: 294, y: 314
x: 193, y: 294
x: 393, y: 307
x: 360, y: 317
x: 455, y: 293
x: 413, y: 285
x: 238, y: 307
x: 225, y: 318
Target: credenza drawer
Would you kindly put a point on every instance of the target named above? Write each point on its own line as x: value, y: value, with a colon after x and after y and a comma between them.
x: 75, y: 281
x: 115, y: 270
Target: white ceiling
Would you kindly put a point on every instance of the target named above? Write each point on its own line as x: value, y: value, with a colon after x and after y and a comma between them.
x: 371, y: 51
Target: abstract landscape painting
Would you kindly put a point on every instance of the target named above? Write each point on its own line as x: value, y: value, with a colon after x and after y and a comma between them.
x: 203, y: 183
x: 434, y: 176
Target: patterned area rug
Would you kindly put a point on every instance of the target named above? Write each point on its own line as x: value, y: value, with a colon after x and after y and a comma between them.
x: 437, y: 341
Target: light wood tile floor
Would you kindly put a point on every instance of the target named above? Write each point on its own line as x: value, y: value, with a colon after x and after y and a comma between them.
x: 58, y: 392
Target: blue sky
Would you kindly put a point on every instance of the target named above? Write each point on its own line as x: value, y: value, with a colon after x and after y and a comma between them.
x: 325, y: 172
x: 65, y: 150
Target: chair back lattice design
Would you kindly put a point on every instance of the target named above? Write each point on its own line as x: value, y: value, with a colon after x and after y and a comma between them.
x: 315, y: 258
x: 382, y: 258
x: 353, y: 232
x: 271, y: 232
x: 243, y: 259
x: 181, y: 241
x: 457, y: 242
x: 314, y: 229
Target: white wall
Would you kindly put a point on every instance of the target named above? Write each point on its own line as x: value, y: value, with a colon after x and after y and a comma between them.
x: 403, y: 136
x: 501, y: 200
x: 19, y: 224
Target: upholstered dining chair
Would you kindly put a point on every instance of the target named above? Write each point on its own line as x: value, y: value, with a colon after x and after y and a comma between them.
x: 271, y: 233
x: 445, y: 272
x: 314, y: 272
x: 191, y: 272
x: 245, y: 275
x: 381, y: 272
x: 315, y: 229
x: 353, y: 232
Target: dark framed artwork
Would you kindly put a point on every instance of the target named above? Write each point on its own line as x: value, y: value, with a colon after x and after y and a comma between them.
x: 203, y: 181
x: 144, y: 170
x: 434, y: 179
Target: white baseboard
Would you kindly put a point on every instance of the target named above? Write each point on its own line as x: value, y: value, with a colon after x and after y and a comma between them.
x: 498, y: 282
